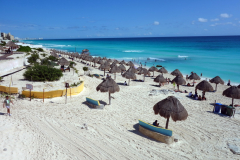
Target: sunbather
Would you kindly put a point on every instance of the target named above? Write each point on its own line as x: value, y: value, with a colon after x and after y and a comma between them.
x: 199, y: 97
x: 155, y: 123
x: 204, y: 98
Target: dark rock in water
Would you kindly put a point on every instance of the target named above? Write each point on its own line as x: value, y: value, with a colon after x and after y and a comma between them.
x: 158, y: 65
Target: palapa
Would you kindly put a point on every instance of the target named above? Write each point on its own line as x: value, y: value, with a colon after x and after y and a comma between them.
x: 115, y: 70
x: 160, y: 79
x: 194, y: 77
x: 152, y: 69
x: 205, y: 86
x: 11, y: 44
x: 63, y: 62
x: 122, y: 62
x: 179, y: 81
x: 129, y: 74
x: 104, y: 66
x: 95, y: 60
x: 232, y: 92
x: 171, y: 107
x: 162, y: 70
x: 176, y: 72
x: 130, y: 64
x: 217, y: 80
x: 113, y: 64
x: 143, y: 71
x: 122, y: 67
x: 108, y: 85
x: 238, y: 86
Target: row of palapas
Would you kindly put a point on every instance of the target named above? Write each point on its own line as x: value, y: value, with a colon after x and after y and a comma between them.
x: 169, y: 107
x: 111, y: 65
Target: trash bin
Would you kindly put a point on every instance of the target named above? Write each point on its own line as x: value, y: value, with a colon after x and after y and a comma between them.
x: 217, y: 107
x: 230, y: 110
x: 224, y: 109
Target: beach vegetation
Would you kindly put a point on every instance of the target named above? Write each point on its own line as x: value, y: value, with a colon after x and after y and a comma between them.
x: 85, y: 69
x: 75, y: 84
x: 3, y: 43
x: 44, y: 54
x: 42, y: 73
x: 21, y: 96
x: 24, y: 49
x: 72, y: 64
x: 1, y: 79
x: 52, y: 58
x: 33, y: 58
x: 40, y: 49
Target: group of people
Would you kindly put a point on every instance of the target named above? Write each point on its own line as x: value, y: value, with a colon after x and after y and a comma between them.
x: 196, y: 96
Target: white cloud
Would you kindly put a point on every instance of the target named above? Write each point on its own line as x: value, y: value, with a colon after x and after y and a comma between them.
x: 212, y: 25
x: 117, y: 28
x: 225, y: 15
x: 193, y: 22
x: 239, y: 22
x: 156, y: 23
x: 202, y: 20
x: 205, y: 29
x: 216, y: 19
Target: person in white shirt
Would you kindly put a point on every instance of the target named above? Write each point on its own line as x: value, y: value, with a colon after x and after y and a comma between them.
x: 6, y: 104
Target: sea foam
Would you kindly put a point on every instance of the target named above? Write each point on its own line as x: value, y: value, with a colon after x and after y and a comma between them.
x: 133, y: 51
x: 179, y: 56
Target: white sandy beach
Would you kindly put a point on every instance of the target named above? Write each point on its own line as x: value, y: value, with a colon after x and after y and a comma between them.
x: 55, y: 130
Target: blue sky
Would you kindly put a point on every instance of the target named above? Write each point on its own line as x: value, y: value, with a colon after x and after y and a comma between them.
x: 119, y: 18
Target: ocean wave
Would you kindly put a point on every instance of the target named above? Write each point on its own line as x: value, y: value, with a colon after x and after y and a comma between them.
x: 158, y: 59
x: 182, y: 56
x: 133, y: 51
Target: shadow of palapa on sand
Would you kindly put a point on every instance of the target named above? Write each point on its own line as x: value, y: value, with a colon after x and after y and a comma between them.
x: 220, y: 114
x: 137, y: 132
x: 2, y: 113
x: 154, y: 85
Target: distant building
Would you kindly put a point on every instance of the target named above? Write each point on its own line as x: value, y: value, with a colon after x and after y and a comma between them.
x: 8, y: 36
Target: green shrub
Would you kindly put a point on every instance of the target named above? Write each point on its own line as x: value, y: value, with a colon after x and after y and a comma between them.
x: 24, y: 49
x: 45, y: 61
x: 44, y: 54
x: 42, y: 73
x: 33, y: 59
x: 75, y: 84
x: 40, y: 49
x: 52, y: 58
x: 3, y: 43
x: 72, y: 64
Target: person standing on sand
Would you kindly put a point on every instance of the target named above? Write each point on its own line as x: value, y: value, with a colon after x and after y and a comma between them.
x: 174, y: 85
x: 6, y: 104
x: 201, y: 74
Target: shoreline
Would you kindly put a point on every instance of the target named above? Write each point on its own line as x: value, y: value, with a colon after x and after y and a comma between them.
x: 233, y: 83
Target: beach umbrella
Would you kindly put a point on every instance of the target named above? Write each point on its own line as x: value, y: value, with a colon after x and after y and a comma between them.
x: 160, y: 79
x: 205, y: 86
x: 179, y: 81
x: 162, y: 70
x: 54, y: 55
x: 176, y: 72
x: 85, y: 50
x: 116, y: 61
x: 232, y: 92
x: 115, y: 69
x: 95, y: 60
x: 143, y: 71
x: 122, y: 67
x: 171, y: 107
x: 63, y: 62
x: 122, y: 62
x: 113, y: 64
x: 100, y: 61
x: 130, y: 64
x: 217, y: 80
x: 108, y: 85
x: 109, y: 60
x: 194, y: 76
x: 1, y: 47
x: 129, y: 74
x: 104, y: 66
x: 11, y: 44
x: 152, y: 69
x: 90, y: 59
x: 104, y: 58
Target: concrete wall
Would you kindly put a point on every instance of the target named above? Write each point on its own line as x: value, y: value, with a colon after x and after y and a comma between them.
x: 7, y: 65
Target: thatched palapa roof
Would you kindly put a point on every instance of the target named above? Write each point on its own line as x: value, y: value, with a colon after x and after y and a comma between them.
x: 176, y: 72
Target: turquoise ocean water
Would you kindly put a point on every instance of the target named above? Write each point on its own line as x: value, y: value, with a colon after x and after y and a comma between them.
x: 211, y: 56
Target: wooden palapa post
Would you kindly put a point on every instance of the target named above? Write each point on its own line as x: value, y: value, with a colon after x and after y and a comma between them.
x: 43, y: 95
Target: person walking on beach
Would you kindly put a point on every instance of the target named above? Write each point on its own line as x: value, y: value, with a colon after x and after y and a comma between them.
x: 201, y: 74
x: 229, y: 83
x: 6, y: 104
x: 174, y: 85
x: 187, y: 77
